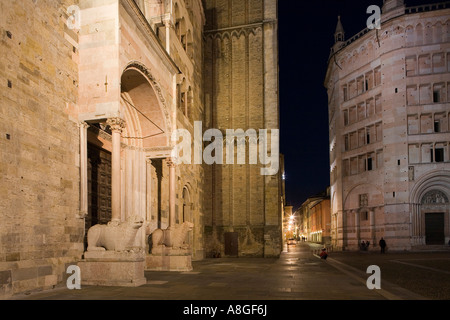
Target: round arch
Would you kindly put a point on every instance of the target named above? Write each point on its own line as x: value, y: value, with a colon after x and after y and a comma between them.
x: 187, y: 205
x: 438, y: 179
x: 145, y: 107
x: 351, y: 201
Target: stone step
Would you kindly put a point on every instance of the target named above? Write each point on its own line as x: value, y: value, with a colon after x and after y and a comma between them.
x: 431, y: 248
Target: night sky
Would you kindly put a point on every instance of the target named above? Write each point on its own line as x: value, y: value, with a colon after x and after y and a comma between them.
x: 306, y: 34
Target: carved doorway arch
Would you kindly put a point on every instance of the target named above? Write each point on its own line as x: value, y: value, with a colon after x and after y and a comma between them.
x: 433, y: 207
x: 430, y: 194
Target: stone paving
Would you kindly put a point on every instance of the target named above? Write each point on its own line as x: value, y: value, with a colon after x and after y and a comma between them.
x: 297, y: 275
x: 424, y: 273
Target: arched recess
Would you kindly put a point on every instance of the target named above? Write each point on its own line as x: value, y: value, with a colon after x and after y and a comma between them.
x: 437, y: 32
x: 428, y: 33
x: 363, y: 208
x: 187, y: 206
x: 446, y: 31
x: 352, y: 200
x: 419, y: 35
x: 410, y: 36
x: 144, y: 105
x: 429, y: 199
x: 148, y: 126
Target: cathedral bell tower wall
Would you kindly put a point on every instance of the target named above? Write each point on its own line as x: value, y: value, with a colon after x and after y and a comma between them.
x: 241, y: 92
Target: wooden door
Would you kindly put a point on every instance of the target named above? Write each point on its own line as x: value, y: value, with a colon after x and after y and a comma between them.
x: 99, y: 187
x: 434, y: 228
x: 232, y: 244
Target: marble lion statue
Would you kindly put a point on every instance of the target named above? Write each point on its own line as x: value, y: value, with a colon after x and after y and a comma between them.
x: 119, y: 237
x: 173, y: 237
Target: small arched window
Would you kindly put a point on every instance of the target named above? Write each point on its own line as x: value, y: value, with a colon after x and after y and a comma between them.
x: 189, y: 44
x: 184, y: 97
x: 190, y: 102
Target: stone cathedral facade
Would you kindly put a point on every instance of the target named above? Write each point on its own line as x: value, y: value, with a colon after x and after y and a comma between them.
x: 91, y: 94
x: 389, y: 111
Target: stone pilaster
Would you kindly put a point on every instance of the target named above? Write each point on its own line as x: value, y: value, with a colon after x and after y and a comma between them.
x: 83, y: 171
x: 117, y: 125
x: 172, y: 192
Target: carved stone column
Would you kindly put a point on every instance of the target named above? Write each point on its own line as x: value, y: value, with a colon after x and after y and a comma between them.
x: 168, y: 24
x: 149, y: 189
x: 83, y: 171
x: 117, y: 125
x: 172, y: 192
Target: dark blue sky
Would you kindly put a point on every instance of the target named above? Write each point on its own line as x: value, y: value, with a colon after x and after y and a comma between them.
x: 306, y: 34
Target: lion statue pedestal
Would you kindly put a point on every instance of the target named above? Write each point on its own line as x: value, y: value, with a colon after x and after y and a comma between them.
x: 114, y: 256
x: 169, y: 252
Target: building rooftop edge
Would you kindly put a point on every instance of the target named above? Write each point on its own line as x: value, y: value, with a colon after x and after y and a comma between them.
x: 408, y: 10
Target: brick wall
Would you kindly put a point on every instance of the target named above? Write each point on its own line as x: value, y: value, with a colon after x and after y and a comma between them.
x: 239, y: 48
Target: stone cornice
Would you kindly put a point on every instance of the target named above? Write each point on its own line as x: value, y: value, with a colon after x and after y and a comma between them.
x: 158, y: 152
x: 246, y: 28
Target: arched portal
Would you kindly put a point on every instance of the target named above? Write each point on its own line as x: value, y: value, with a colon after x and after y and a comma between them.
x: 433, y: 208
x: 430, y: 209
x: 148, y: 127
x: 142, y: 102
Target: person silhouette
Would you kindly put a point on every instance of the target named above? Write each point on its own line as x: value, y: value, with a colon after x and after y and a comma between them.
x: 382, y: 244
x: 324, y: 254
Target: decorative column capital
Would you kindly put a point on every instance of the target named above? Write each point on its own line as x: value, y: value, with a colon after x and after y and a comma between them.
x: 171, y: 163
x: 83, y: 125
x: 81, y: 215
x: 116, y: 124
x: 168, y: 20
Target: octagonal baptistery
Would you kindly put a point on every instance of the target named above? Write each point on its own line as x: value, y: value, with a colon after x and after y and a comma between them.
x: 389, y: 111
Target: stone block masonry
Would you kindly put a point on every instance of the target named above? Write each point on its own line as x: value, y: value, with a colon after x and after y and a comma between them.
x: 38, y: 146
x: 389, y: 131
x: 241, y: 79
x: 210, y: 61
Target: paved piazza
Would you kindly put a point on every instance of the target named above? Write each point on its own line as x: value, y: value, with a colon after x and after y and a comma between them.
x: 298, y: 275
